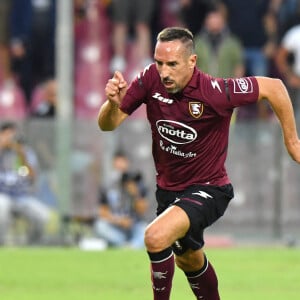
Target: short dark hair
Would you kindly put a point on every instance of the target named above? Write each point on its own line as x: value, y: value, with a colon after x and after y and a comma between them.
x: 177, y: 33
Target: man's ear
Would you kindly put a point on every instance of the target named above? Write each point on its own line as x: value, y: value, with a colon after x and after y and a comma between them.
x: 192, y: 61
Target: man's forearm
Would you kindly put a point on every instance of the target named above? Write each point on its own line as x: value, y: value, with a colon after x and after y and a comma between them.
x: 108, y: 117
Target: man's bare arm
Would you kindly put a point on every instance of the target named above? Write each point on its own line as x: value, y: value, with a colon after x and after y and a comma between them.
x: 274, y: 91
x: 110, y: 116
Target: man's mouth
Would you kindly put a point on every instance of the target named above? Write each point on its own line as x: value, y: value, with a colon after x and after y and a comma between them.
x: 168, y: 83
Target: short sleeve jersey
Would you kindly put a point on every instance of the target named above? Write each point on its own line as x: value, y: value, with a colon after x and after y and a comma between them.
x: 190, y: 129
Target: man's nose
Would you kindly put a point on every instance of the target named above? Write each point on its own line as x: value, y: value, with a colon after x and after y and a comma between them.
x: 164, y: 71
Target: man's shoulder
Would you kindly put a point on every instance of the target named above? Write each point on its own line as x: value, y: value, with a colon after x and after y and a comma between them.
x: 204, y: 81
x: 210, y: 87
x: 149, y: 72
x: 147, y: 79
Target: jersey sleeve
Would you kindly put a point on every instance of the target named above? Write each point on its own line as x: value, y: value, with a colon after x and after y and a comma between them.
x: 224, y: 94
x: 137, y: 92
x: 241, y: 91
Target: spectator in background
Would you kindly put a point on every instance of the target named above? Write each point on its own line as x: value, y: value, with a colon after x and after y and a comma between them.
x: 288, y: 63
x: 193, y: 13
x: 247, y: 20
x: 122, y: 207
x: 79, y: 7
x: 46, y: 100
x: 219, y: 53
x: 32, y: 42
x: 18, y: 174
x: 253, y: 23
x: 287, y: 13
x: 5, y: 68
x: 127, y: 15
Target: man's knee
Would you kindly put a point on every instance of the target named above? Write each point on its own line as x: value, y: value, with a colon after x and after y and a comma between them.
x: 191, y: 260
x: 151, y: 238
x: 170, y: 226
x: 154, y: 239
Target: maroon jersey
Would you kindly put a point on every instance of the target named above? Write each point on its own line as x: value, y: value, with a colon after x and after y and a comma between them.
x: 189, y: 129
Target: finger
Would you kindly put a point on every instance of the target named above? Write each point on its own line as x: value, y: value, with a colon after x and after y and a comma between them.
x: 118, y: 75
x: 112, y: 88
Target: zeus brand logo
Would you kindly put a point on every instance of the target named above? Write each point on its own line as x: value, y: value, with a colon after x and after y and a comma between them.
x: 176, y: 132
x: 159, y: 97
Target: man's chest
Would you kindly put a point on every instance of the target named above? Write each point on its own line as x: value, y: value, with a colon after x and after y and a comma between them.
x: 185, y: 109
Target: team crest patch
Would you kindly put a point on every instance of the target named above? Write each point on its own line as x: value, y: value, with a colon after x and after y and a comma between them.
x: 196, y: 109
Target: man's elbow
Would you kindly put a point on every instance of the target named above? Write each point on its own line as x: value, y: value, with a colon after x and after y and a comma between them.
x: 108, y: 122
x: 106, y: 127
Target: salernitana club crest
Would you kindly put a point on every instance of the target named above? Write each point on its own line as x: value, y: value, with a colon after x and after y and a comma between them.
x: 196, y: 109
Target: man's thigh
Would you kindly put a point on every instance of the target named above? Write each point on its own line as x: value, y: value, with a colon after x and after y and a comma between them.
x: 203, y: 205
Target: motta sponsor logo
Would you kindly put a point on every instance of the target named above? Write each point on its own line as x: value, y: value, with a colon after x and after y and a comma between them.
x: 176, y: 132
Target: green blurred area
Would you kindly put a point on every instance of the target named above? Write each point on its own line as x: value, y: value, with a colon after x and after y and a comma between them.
x: 68, y: 273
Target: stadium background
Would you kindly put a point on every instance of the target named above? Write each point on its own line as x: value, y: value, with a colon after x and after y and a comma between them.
x: 75, y: 156
x: 266, y: 203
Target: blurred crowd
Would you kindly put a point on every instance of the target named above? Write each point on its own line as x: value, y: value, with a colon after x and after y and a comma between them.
x: 233, y: 38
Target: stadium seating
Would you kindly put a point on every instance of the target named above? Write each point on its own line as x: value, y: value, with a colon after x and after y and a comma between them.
x: 92, y: 56
x: 12, y: 102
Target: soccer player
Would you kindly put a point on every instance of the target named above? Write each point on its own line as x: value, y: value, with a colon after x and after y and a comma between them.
x: 189, y: 113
